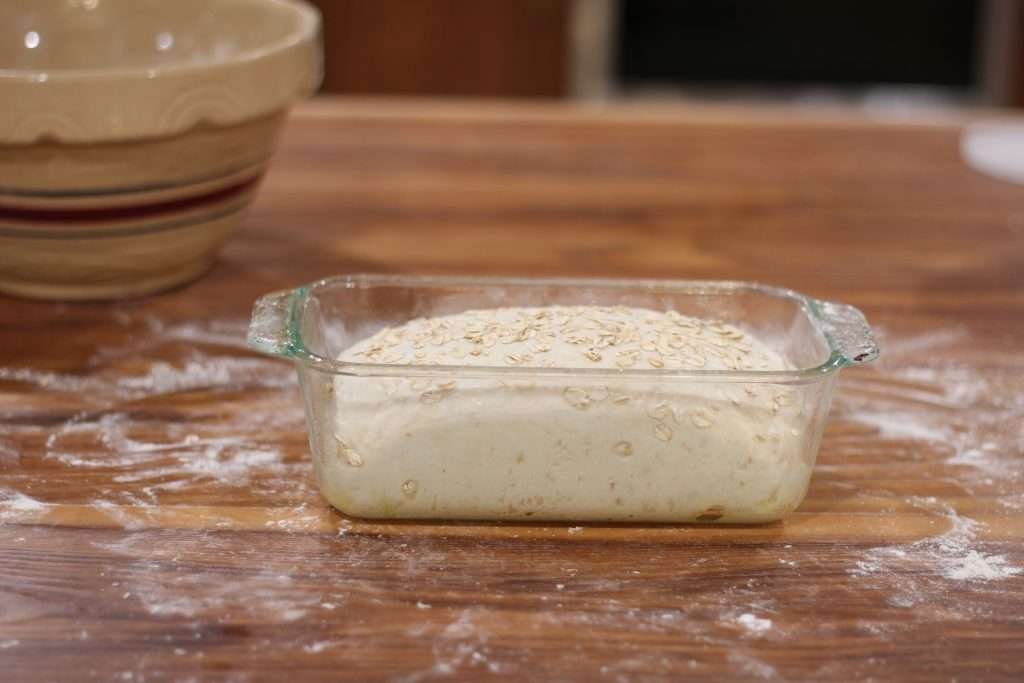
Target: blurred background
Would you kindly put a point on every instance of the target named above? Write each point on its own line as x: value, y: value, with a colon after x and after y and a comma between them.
x: 871, y: 52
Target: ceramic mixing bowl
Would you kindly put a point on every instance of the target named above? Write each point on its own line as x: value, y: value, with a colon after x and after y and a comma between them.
x: 133, y: 134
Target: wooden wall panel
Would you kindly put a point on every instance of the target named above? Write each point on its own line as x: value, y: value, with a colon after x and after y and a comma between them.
x: 446, y: 47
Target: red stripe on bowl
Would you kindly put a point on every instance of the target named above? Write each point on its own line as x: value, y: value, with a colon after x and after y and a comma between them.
x: 85, y: 215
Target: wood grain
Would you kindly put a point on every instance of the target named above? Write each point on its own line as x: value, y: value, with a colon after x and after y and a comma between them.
x: 158, y: 518
x: 446, y: 47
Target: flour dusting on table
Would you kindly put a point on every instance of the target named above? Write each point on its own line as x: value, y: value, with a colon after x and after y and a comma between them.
x: 955, y: 555
x: 187, y: 446
x: 974, y: 421
x: 15, y: 501
x: 754, y: 624
x: 228, y: 430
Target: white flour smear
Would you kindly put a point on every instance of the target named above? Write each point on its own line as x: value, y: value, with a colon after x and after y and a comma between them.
x: 201, y: 371
x: 972, y: 424
x: 165, y: 586
x: 895, y: 349
x: 319, y: 646
x: 215, y: 442
x: 897, y: 425
x: 975, y: 419
x: 14, y: 504
x: 923, y: 571
x: 231, y: 453
x: 229, y: 333
x: 103, y: 442
x: 753, y: 667
x: 754, y: 624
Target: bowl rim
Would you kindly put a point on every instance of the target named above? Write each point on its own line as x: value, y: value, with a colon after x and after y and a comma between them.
x: 308, y: 26
x: 146, y: 102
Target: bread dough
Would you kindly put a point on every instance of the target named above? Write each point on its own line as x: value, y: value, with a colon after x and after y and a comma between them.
x: 530, y: 446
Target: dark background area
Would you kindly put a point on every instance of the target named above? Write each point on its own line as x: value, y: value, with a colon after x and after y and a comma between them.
x: 925, y: 42
x: 953, y: 51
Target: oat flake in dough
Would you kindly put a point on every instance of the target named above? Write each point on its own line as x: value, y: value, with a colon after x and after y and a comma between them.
x: 559, y: 448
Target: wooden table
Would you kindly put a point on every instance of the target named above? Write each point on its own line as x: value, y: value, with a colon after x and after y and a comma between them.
x: 159, y: 519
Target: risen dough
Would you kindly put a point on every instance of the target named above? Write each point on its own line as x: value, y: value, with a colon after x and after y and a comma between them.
x: 538, y: 447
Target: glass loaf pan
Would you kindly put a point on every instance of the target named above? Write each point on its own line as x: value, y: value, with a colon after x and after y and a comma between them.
x: 560, y: 443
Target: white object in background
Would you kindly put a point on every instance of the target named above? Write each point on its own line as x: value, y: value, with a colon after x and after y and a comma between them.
x: 995, y: 148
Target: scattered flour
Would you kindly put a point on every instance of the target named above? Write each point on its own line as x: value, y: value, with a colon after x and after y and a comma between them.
x: 923, y: 570
x: 943, y: 405
x: 464, y: 642
x: 968, y: 426
x: 165, y: 588
x: 294, y: 520
x: 976, y: 566
x: 227, y: 453
x: 752, y: 667
x: 960, y: 385
x: 754, y: 624
x: 212, y: 445
x: 45, y: 380
x: 318, y: 646
x: 896, y: 349
x: 229, y: 333
x: 15, y: 501
x: 895, y: 425
x: 973, y: 418
x: 199, y: 372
